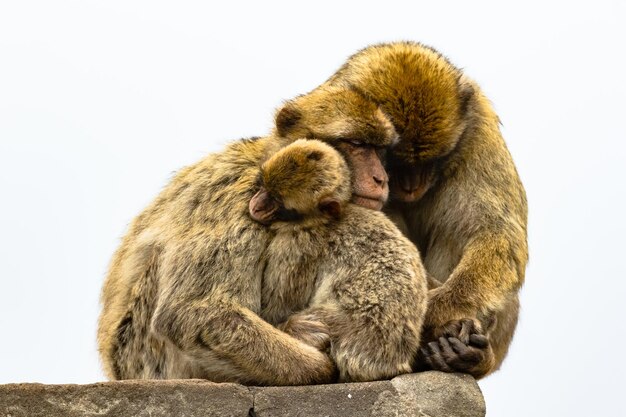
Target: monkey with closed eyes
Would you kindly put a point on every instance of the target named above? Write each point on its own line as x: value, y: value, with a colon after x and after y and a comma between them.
x: 349, y: 267
x: 186, y: 296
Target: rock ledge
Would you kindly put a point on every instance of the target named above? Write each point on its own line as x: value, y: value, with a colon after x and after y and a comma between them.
x: 427, y: 394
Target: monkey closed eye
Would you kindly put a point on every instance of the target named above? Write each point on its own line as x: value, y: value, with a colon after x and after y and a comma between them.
x: 356, y: 143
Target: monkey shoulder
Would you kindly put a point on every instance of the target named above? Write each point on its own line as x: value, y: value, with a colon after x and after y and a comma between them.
x: 201, y: 218
x: 212, y: 194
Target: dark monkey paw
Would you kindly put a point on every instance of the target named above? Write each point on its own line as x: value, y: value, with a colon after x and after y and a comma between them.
x: 461, y: 347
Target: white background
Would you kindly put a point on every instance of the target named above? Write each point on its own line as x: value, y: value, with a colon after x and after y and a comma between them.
x: 101, y: 101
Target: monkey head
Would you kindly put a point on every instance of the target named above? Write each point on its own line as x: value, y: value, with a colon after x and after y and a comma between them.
x: 428, y: 101
x: 307, y: 179
x: 353, y: 125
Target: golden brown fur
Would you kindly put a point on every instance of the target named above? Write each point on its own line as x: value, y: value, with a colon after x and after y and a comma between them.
x: 184, y: 294
x: 352, y: 268
x: 354, y: 126
x: 454, y: 191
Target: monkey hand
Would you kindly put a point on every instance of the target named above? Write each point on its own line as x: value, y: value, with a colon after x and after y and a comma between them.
x: 458, y: 346
x: 444, y: 305
x: 309, y: 329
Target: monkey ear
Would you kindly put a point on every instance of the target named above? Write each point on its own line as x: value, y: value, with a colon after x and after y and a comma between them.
x: 331, y: 207
x: 263, y: 207
x: 287, y: 118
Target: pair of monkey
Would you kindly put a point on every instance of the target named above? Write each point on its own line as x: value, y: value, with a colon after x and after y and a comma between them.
x: 197, y: 287
x: 291, y: 285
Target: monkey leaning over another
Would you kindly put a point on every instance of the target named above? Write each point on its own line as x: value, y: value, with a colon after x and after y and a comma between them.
x: 368, y: 283
x: 455, y: 193
x: 185, y: 295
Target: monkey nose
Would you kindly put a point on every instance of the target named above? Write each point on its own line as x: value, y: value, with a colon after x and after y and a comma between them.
x: 380, y: 180
x: 407, y: 184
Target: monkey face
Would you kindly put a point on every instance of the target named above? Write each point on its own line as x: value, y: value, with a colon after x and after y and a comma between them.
x: 410, y: 182
x: 353, y: 125
x: 370, y: 181
x: 304, y: 180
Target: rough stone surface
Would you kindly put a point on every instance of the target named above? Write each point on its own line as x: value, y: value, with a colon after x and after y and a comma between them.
x: 189, y: 398
x: 428, y: 394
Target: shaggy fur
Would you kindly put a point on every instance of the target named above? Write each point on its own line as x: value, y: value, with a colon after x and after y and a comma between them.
x: 184, y: 290
x: 356, y: 273
x: 469, y: 212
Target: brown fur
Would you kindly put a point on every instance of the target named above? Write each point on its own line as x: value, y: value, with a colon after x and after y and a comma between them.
x: 184, y: 291
x: 454, y: 187
x: 355, y: 273
x: 353, y: 125
x: 183, y: 294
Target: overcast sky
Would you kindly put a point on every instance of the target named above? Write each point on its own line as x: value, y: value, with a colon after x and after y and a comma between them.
x: 101, y: 101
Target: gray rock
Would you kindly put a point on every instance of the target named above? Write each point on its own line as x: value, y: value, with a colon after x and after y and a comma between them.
x: 184, y: 398
x: 428, y: 394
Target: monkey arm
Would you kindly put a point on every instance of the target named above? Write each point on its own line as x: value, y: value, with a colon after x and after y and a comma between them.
x: 481, y: 209
x: 209, y: 292
x: 219, y: 327
x: 488, y: 275
x: 483, y: 287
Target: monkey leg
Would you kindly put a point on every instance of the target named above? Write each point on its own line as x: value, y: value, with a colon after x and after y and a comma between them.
x: 260, y: 353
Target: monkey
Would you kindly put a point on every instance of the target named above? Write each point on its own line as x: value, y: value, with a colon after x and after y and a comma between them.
x: 181, y: 299
x: 454, y: 191
x: 349, y: 266
x: 182, y: 296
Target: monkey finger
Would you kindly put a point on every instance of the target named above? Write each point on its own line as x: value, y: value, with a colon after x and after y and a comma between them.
x: 479, y: 340
x: 448, y: 354
x: 437, y: 359
x: 469, y: 355
x: 315, y: 326
x: 311, y: 318
x: 465, y: 352
x: 451, y: 329
x: 424, y: 357
x: 320, y: 341
x: 467, y: 328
